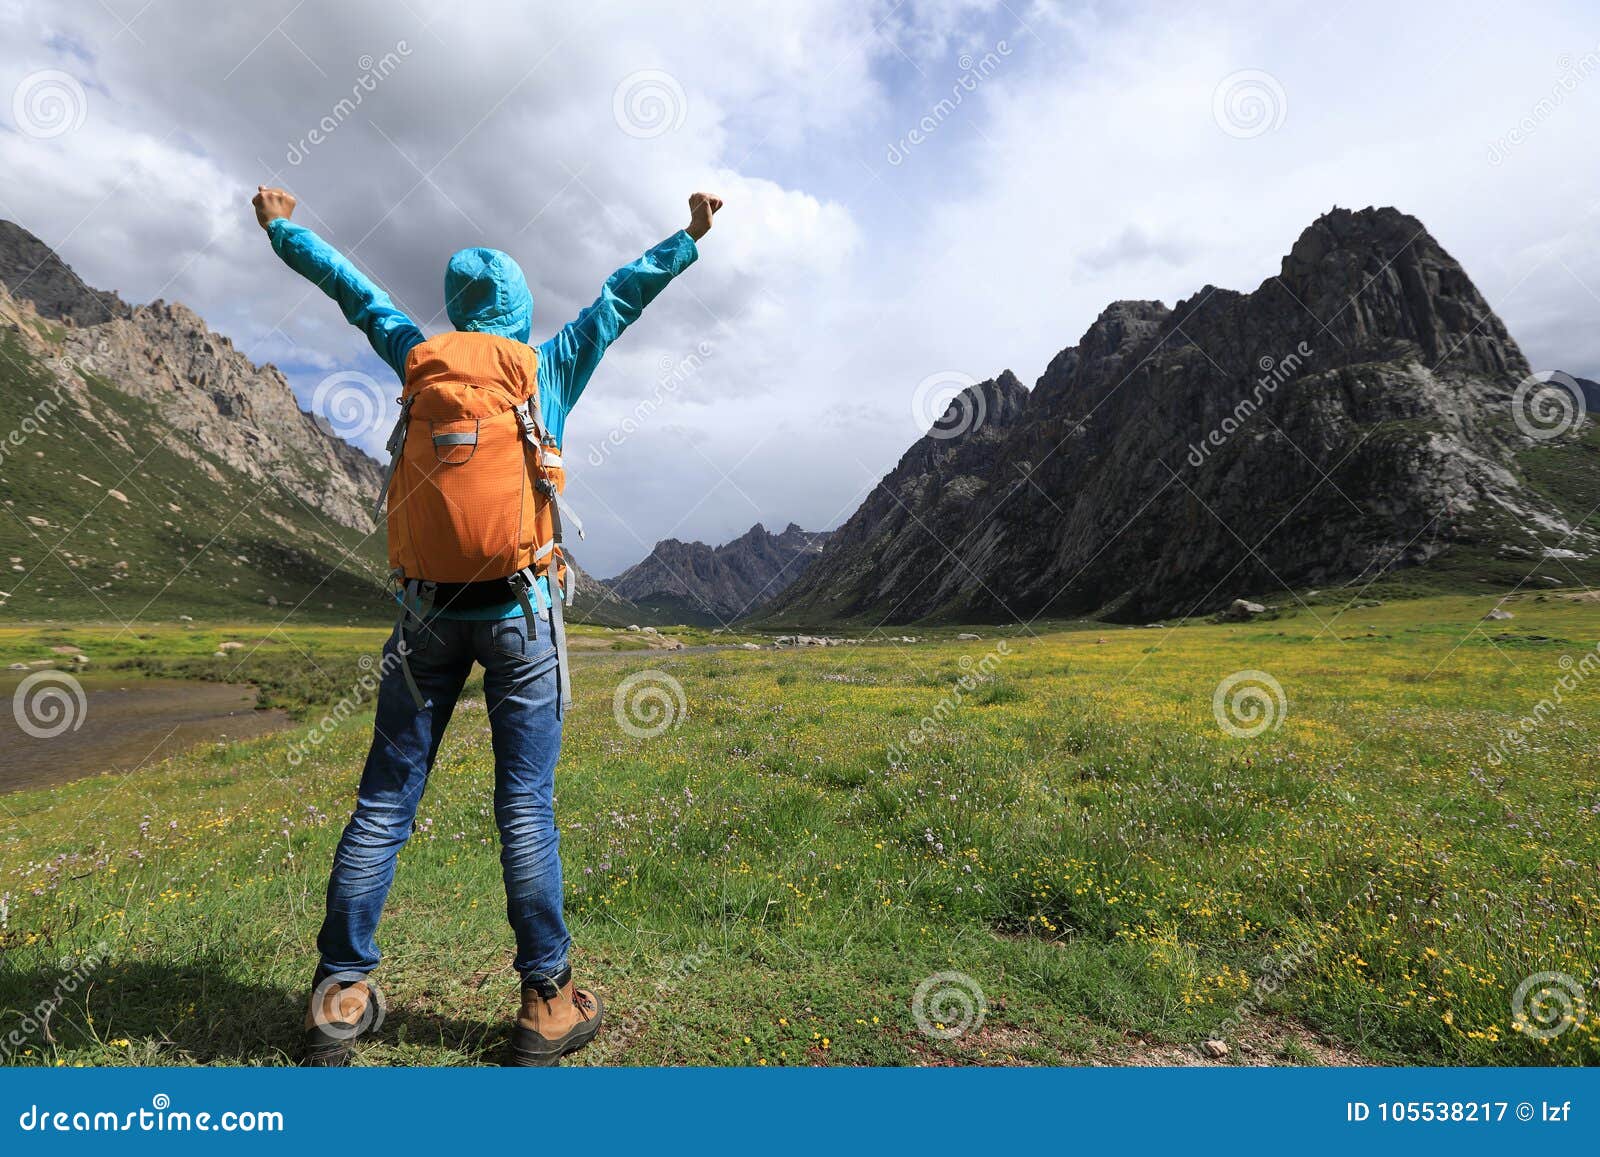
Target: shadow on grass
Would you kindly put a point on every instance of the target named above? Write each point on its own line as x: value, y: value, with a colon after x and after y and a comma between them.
x: 201, y: 1015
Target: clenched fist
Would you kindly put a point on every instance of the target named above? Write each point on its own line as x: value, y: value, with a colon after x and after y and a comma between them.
x: 701, y: 207
x: 274, y: 203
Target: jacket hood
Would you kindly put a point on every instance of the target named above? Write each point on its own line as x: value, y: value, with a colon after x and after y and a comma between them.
x: 485, y: 292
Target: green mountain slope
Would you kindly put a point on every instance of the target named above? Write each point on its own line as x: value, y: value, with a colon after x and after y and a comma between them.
x: 107, y: 519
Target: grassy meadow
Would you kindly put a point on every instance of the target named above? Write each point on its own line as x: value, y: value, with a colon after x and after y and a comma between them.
x: 1057, y: 819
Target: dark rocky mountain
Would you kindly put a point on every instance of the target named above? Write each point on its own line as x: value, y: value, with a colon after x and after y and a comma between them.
x: 1352, y: 416
x: 31, y: 271
x: 690, y: 582
x: 1591, y: 394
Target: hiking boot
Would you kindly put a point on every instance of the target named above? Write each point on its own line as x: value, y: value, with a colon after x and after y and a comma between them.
x: 556, y: 1019
x: 344, y: 1006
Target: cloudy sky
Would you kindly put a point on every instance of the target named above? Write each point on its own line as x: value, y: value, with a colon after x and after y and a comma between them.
x: 914, y: 191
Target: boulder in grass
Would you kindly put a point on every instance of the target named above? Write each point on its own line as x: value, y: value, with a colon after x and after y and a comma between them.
x: 1242, y: 611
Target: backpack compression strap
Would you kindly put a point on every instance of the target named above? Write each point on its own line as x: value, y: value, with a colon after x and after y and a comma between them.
x: 396, y: 443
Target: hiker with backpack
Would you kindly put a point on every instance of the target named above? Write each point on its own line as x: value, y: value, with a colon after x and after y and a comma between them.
x: 473, y: 488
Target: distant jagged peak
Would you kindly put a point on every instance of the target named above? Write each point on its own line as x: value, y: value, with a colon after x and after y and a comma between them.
x: 181, y: 316
x: 756, y: 535
x: 32, y: 271
x: 724, y: 581
x: 1007, y: 383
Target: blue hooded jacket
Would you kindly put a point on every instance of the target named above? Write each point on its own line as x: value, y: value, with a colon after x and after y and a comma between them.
x: 486, y: 292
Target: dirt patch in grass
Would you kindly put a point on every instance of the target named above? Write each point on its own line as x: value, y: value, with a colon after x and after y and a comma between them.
x: 1259, y: 1042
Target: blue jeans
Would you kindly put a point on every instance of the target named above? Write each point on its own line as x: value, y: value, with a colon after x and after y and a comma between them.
x: 521, y: 694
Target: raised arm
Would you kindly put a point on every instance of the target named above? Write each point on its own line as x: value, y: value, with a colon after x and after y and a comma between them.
x: 364, y: 305
x: 568, y: 360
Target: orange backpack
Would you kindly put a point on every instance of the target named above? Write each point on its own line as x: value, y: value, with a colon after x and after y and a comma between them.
x: 474, y: 483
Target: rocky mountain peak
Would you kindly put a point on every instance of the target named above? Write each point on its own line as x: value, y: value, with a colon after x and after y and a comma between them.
x: 31, y: 271
x: 1385, y: 230
x: 1123, y: 326
x: 696, y: 583
x: 795, y: 537
x: 1007, y: 389
x: 1377, y: 274
x: 995, y: 402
